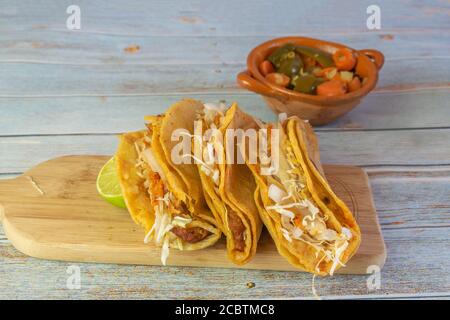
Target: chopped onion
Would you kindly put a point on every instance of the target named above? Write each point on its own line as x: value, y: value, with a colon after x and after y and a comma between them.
x: 286, y: 223
x: 286, y: 206
x: 348, y: 234
x: 211, y: 106
x: 297, y: 233
x: 209, y: 153
x: 285, y: 212
x: 286, y: 235
x: 216, y: 176
x: 151, y: 160
x: 312, y: 208
x: 328, y: 235
x: 275, y: 193
x: 181, y: 221
x: 205, y: 170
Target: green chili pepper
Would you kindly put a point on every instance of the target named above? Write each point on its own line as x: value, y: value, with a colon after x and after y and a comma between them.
x: 280, y: 53
x: 319, y: 81
x: 291, y: 65
x: 306, y: 83
x: 323, y: 58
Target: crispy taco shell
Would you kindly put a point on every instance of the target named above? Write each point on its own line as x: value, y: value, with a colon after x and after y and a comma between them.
x: 231, y: 194
x: 173, y: 210
x: 318, y: 234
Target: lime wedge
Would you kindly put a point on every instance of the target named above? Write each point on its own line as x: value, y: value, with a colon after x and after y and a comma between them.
x: 108, y: 184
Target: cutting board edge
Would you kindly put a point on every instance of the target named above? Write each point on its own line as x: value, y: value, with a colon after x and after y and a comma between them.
x: 2, y: 213
x: 377, y: 220
x: 35, y: 249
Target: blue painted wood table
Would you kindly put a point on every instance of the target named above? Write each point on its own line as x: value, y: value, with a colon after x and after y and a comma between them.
x: 71, y: 91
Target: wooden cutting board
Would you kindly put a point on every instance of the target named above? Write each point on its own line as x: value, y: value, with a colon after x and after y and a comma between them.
x: 69, y: 221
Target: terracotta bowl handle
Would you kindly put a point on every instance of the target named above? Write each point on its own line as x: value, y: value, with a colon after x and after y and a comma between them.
x: 245, y: 80
x: 376, y: 56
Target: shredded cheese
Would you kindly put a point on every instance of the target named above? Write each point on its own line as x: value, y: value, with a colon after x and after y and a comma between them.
x: 286, y: 234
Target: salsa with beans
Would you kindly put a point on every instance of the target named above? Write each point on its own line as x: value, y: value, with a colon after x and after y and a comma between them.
x: 312, y: 71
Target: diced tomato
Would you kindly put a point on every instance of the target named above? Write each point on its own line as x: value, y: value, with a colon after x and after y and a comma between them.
x: 298, y: 221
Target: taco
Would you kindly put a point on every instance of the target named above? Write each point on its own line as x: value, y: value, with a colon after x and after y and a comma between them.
x: 228, y: 185
x: 165, y: 198
x: 311, y: 227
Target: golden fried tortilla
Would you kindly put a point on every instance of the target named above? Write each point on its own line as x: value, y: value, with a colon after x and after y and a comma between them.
x: 312, y: 228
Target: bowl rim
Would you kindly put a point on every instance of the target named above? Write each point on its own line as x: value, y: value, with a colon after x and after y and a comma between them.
x: 293, y: 95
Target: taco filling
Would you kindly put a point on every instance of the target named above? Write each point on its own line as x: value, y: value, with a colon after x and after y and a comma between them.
x: 213, y: 118
x: 300, y: 217
x: 174, y: 225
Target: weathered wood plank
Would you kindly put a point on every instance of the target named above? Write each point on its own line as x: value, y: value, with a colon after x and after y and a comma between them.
x: 419, y: 252
x: 75, y: 115
x: 390, y: 147
x: 66, y: 47
x: 101, y: 114
x: 414, y: 109
x: 412, y: 198
x: 114, y: 79
x: 24, y: 152
x: 364, y: 148
x: 252, y: 17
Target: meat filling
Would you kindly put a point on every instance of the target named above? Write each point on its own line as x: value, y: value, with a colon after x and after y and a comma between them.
x: 190, y: 235
x: 237, y: 229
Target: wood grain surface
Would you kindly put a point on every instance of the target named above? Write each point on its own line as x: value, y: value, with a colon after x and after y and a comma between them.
x: 69, y: 92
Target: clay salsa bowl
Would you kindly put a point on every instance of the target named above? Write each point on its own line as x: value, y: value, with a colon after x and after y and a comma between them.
x: 319, y: 110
